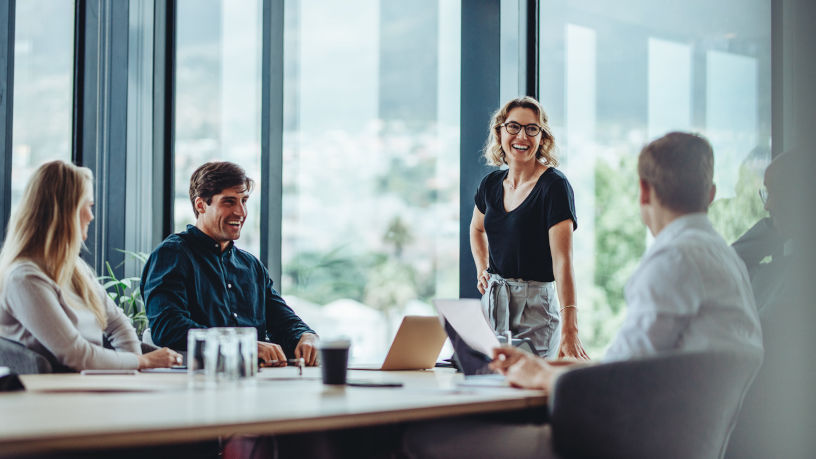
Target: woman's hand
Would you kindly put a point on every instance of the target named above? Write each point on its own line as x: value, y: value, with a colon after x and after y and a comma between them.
x: 482, y: 281
x: 160, y: 358
x: 571, y: 347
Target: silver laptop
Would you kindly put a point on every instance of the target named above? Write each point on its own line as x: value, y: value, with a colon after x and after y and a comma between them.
x: 416, y: 345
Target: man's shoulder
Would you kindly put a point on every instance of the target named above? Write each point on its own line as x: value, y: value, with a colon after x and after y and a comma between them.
x: 172, y: 249
x: 172, y: 243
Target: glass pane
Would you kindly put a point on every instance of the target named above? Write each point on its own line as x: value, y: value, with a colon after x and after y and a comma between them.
x: 218, y: 99
x: 43, y: 94
x: 371, y: 164
x: 611, y: 80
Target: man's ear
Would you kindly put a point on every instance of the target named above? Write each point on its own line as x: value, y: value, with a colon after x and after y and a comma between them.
x: 645, y: 192
x: 200, y: 205
x: 711, y: 193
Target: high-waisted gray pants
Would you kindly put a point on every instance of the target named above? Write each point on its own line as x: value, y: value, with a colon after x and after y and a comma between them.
x: 529, y: 309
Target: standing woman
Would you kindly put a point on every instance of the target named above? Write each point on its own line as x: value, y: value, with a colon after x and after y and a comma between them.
x: 521, y: 234
x: 50, y: 300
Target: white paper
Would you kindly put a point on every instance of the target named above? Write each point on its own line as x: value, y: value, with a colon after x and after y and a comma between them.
x: 466, y: 317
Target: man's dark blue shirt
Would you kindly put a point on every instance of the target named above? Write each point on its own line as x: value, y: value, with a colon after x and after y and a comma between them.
x: 188, y: 282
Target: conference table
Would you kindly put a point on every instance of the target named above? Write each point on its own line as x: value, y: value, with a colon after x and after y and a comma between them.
x: 62, y: 412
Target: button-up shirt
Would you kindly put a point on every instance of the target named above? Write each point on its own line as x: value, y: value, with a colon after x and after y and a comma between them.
x: 691, y: 292
x: 189, y: 282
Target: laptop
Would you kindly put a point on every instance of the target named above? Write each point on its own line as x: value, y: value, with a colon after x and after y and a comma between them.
x: 416, y: 345
x: 474, y: 363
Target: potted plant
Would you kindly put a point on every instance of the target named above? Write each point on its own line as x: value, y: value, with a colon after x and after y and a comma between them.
x: 126, y: 294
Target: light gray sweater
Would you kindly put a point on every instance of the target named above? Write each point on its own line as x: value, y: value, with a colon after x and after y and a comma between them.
x: 33, y: 311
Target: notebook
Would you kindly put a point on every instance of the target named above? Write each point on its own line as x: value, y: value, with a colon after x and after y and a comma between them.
x: 416, y: 345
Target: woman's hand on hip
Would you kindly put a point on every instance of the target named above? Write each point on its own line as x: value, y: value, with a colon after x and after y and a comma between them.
x: 482, y: 281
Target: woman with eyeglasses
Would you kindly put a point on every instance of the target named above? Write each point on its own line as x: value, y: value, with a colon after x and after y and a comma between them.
x: 50, y: 300
x: 521, y: 234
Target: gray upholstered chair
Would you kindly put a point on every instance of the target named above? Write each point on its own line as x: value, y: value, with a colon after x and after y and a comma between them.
x: 680, y: 405
x: 22, y: 360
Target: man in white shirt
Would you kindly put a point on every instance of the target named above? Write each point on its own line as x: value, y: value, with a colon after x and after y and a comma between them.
x: 691, y: 291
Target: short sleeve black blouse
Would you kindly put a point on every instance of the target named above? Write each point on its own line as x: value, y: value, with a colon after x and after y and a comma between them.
x: 518, y: 241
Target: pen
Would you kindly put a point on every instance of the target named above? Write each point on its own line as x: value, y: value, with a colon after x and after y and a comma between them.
x: 296, y: 362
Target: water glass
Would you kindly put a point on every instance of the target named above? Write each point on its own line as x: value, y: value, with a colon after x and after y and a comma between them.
x: 247, y: 352
x: 221, y: 355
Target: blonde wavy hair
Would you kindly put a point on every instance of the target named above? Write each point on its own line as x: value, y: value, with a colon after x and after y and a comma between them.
x: 45, y: 229
x: 493, y: 153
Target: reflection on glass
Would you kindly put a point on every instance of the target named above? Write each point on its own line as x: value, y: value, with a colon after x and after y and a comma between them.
x: 371, y: 164
x: 43, y: 75
x: 218, y: 99
x: 612, y: 79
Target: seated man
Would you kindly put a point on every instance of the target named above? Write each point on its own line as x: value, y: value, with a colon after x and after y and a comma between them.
x: 198, y: 278
x: 691, y: 291
x: 769, y: 246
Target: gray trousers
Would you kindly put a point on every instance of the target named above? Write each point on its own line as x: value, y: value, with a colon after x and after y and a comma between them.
x: 528, y: 309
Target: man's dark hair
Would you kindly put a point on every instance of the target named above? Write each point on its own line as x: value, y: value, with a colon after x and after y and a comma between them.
x: 214, y: 177
x: 680, y: 168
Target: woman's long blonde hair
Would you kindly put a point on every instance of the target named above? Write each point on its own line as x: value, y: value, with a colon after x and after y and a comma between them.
x: 45, y: 229
x: 493, y: 153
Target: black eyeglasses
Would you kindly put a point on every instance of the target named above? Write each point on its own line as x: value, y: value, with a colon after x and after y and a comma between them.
x: 514, y: 128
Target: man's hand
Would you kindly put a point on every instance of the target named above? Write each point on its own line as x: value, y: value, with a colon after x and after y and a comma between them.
x: 522, y: 369
x: 307, y: 348
x: 571, y: 347
x: 268, y: 352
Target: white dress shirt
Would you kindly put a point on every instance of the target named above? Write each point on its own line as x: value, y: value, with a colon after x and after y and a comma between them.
x: 691, y: 292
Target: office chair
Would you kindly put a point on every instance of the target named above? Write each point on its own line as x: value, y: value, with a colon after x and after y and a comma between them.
x: 22, y: 360
x: 679, y: 405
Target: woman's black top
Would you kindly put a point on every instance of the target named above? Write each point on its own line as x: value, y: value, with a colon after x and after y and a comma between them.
x: 518, y: 241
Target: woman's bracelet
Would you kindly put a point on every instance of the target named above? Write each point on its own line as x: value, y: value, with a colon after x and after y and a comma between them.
x: 569, y: 306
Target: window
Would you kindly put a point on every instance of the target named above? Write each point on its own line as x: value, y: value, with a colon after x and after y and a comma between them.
x: 612, y: 79
x: 218, y: 99
x: 370, y: 164
x: 43, y: 92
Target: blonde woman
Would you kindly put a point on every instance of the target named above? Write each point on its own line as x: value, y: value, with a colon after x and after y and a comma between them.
x: 521, y: 234
x: 50, y: 300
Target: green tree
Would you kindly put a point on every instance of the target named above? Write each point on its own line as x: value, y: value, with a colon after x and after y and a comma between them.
x: 620, y: 240
x: 734, y: 216
x: 322, y: 277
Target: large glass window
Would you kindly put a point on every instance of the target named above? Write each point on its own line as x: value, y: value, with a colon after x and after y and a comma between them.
x: 43, y: 76
x: 371, y: 164
x: 614, y: 78
x: 218, y: 99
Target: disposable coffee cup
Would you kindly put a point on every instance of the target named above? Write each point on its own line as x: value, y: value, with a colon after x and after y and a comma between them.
x: 334, y: 361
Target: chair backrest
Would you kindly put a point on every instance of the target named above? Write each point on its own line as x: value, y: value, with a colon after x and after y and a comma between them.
x: 679, y: 405
x: 22, y: 360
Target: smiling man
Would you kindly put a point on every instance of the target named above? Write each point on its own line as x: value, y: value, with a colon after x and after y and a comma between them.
x: 198, y: 278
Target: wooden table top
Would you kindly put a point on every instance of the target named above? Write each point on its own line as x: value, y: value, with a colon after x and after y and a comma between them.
x: 73, y: 411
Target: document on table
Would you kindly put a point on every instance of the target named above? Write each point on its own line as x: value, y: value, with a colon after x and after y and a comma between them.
x: 466, y: 317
